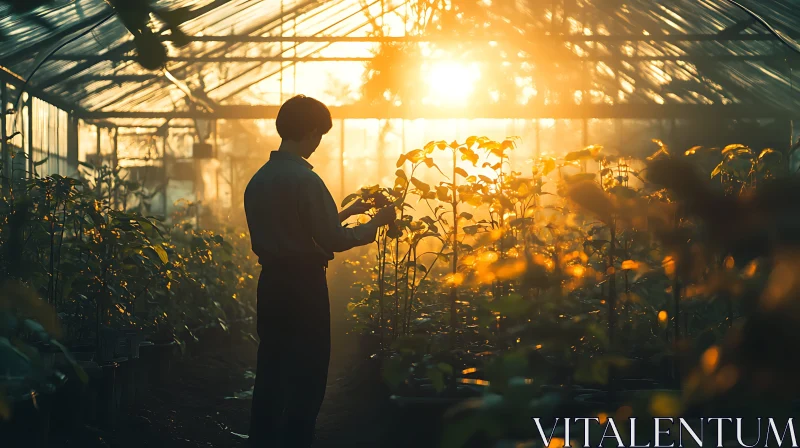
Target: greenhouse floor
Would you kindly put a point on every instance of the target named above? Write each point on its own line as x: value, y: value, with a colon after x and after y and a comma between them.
x: 206, y: 404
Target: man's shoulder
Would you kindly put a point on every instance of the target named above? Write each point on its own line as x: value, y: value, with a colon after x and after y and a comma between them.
x: 280, y: 171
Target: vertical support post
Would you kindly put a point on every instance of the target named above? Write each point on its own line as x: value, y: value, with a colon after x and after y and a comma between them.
x: 294, y: 64
x: 280, y: 77
x: 97, y: 129
x: 114, y: 166
x: 342, y: 191
x: 585, y: 137
x: 24, y: 144
x: 379, y: 148
x: 31, y: 149
x: 72, y: 142
x: 537, y: 148
x: 165, y: 178
x: 216, y: 156
x: 115, y: 154
x: 233, y: 180
x: 403, y: 136
x: 3, y: 137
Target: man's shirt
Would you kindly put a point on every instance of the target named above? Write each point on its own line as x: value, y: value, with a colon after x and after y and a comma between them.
x: 292, y: 215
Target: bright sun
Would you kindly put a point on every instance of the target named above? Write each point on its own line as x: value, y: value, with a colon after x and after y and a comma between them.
x: 450, y: 82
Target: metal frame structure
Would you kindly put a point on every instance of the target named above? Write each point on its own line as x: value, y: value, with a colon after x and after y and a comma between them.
x: 82, y: 70
x: 96, y: 79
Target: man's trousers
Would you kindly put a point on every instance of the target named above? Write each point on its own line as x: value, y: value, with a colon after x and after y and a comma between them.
x: 293, y: 354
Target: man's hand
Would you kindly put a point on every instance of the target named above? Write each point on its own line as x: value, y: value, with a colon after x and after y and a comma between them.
x: 356, y: 208
x: 385, y: 216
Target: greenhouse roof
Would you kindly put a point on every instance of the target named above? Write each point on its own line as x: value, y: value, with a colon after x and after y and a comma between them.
x: 631, y: 59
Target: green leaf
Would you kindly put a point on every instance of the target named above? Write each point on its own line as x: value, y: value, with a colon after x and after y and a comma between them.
x: 395, y: 371
x: 447, y: 369
x: 437, y: 378
x: 471, y: 230
x: 41, y: 162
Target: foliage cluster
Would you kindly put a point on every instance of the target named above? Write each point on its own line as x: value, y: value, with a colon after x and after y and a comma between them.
x: 75, y: 264
x: 589, y: 272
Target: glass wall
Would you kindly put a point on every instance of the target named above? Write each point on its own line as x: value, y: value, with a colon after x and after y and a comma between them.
x: 50, y: 127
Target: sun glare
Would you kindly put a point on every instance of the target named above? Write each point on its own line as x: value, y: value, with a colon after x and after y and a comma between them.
x: 450, y: 82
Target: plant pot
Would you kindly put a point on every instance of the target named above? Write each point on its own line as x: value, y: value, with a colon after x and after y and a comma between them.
x: 29, y: 425
x: 109, y: 339
x: 131, y: 390
x: 89, y: 407
x: 159, y: 358
x: 144, y: 364
x: 73, y: 402
x: 123, y: 382
x: 107, y: 401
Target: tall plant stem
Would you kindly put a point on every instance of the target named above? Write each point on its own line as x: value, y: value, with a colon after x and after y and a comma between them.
x: 51, y: 280
x: 381, y: 287
x: 676, y: 298
x: 454, y: 287
x: 60, y: 246
x: 409, y: 286
x: 612, y: 303
x: 396, y: 321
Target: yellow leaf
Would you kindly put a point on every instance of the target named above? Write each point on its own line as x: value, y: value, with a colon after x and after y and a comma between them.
x: 630, y: 265
x: 415, y: 156
x: 443, y: 193
x: 420, y: 185
x: 734, y: 147
x: 162, y: 254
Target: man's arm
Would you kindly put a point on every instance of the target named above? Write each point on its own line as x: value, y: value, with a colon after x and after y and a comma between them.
x: 326, y: 227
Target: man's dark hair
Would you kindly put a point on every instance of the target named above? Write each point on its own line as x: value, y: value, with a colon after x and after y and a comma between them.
x: 300, y: 116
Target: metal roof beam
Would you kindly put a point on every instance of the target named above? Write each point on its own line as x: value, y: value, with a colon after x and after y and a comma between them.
x: 26, y: 52
x: 12, y: 78
x: 261, y: 78
x: 497, y: 111
x: 181, y: 70
x: 116, y: 51
x: 408, y: 39
x: 225, y: 59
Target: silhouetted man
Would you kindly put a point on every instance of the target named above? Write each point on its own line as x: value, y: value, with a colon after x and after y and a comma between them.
x: 295, y: 227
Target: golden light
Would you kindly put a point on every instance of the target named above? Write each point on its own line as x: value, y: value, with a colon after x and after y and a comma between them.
x: 710, y: 359
x: 450, y: 82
